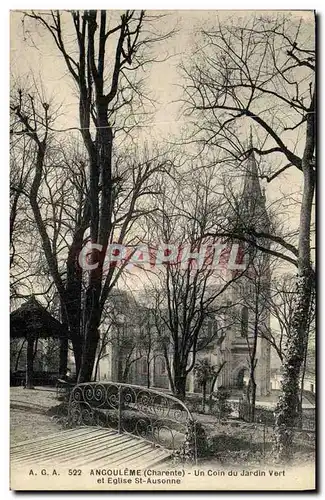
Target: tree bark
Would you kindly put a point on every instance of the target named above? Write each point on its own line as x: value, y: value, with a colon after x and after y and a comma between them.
x: 19, y: 354
x: 64, y: 344
x: 204, y: 393
x: 88, y: 353
x: 213, y: 383
x: 148, y: 373
x: 119, y: 363
x: 77, y: 352
x: 301, y: 395
x: 96, y: 367
x: 287, y: 411
x: 180, y: 386
x: 169, y: 371
x: 251, y: 392
x: 99, y: 357
x: 288, y: 405
x: 71, y: 307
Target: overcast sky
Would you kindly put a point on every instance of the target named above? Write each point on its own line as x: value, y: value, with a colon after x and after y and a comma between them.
x: 39, y: 56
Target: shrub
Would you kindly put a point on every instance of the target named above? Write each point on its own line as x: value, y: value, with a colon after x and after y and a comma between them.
x: 222, y: 407
x: 194, y: 445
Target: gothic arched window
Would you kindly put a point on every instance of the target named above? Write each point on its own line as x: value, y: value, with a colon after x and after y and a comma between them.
x: 244, y: 322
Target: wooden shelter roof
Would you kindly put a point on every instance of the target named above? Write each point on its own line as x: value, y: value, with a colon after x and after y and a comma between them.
x: 31, y: 319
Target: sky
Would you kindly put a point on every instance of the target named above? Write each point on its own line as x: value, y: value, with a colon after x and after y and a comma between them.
x: 32, y: 52
x: 21, y: 59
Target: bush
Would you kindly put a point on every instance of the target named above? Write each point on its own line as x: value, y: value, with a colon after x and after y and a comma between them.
x: 194, y: 403
x: 264, y: 416
x: 222, y: 407
x: 195, y: 444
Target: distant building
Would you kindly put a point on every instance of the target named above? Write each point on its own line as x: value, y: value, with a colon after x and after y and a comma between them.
x: 231, y: 346
x: 309, y: 381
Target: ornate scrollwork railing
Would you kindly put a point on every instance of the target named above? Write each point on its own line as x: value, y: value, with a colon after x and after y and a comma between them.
x: 149, y: 414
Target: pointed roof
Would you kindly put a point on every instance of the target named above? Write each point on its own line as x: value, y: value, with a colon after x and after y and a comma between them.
x: 253, y: 196
x: 252, y: 186
x: 31, y: 319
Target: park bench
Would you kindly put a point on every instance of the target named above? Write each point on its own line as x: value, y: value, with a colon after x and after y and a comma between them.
x: 111, y: 424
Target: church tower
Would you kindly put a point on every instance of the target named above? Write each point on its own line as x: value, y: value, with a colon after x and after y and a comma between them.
x: 247, y: 344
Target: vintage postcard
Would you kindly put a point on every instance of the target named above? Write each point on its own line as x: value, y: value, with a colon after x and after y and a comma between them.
x: 162, y: 248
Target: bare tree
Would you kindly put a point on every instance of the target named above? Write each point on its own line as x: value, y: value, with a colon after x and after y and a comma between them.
x: 190, y: 293
x: 148, y: 339
x: 24, y: 264
x: 281, y: 304
x: 262, y: 71
x: 124, y: 320
x: 102, y: 72
x: 32, y: 118
x: 205, y: 372
x: 128, y: 331
x: 253, y: 318
x: 19, y: 173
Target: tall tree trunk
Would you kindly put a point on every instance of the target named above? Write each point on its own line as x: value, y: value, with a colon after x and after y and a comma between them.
x: 77, y: 352
x: 252, y: 397
x: 91, y: 325
x: 214, y: 380
x: 148, y: 373
x: 287, y: 408
x: 180, y: 385
x: 302, y: 380
x: 100, y: 228
x: 99, y: 357
x: 287, y: 411
x: 125, y: 374
x: 204, y: 395
x: 169, y: 371
x: 64, y: 345
x: 71, y: 306
x: 19, y: 354
x: 96, y: 367
x: 251, y: 389
x: 29, y: 363
x: 35, y: 349
x: 88, y: 354
x: 119, y: 364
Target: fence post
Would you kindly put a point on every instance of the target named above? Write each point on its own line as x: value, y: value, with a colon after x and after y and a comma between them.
x: 120, y: 404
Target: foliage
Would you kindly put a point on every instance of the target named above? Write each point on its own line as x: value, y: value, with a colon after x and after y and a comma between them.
x: 195, y: 444
x: 260, y: 71
x: 204, y: 371
x: 222, y: 406
x: 97, y: 194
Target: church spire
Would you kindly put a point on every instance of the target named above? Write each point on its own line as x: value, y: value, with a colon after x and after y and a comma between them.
x: 253, y: 197
x: 252, y: 187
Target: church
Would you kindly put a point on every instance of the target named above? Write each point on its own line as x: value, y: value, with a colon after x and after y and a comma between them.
x: 243, y: 339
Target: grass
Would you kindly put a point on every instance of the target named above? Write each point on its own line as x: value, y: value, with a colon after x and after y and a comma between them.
x: 33, y: 412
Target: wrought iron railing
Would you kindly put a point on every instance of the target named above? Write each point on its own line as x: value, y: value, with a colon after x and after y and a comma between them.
x: 152, y: 415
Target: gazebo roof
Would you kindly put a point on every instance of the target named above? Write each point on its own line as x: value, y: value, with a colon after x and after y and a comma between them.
x: 32, y: 320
